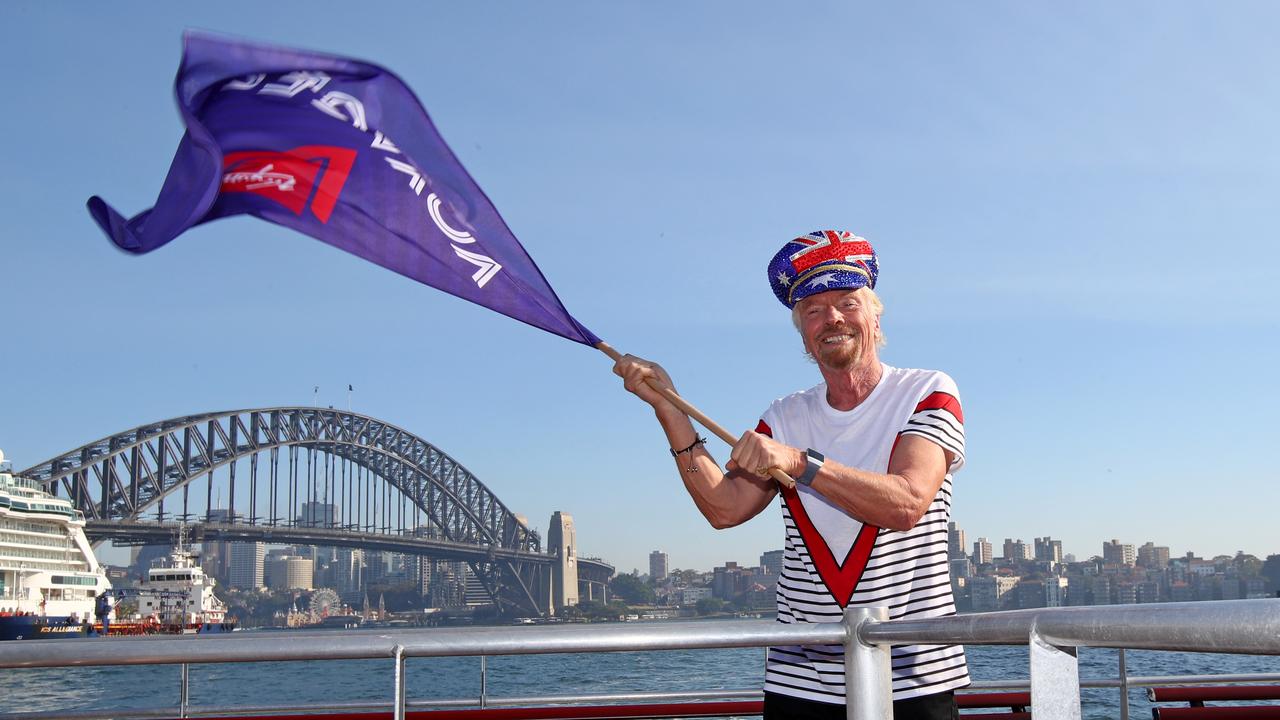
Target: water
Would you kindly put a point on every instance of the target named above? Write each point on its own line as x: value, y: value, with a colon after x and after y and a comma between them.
x: 102, y: 688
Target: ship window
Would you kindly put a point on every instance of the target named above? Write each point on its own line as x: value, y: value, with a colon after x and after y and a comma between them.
x: 72, y: 580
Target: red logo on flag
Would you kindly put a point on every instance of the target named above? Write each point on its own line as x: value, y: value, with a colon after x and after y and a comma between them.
x: 312, y: 174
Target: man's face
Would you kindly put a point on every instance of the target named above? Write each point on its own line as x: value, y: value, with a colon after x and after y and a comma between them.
x: 838, y: 328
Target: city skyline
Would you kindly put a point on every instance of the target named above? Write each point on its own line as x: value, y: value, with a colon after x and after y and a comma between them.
x: 1078, y: 557
x: 1073, y: 207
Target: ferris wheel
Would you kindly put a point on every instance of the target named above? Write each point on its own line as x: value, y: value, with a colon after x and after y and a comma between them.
x: 323, y: 602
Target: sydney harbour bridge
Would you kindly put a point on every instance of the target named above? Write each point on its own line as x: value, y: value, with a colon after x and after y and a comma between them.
x: 383, y: 488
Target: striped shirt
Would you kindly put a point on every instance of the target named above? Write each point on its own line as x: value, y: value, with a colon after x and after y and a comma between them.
x: 832, y: 561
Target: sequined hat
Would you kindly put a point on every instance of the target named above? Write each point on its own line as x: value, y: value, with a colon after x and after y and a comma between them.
x: 821, y: 261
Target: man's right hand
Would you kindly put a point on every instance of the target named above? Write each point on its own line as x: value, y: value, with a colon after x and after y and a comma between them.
x: 636, y: 373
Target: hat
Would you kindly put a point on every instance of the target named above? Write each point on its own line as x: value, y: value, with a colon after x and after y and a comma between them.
x: 821, y: 261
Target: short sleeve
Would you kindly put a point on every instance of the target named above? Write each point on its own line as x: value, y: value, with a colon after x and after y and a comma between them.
x: 769, y: 420
x: 938, y: 417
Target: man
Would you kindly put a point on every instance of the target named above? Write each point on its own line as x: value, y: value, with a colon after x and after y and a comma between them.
x: 102, y: 608
x: 872, y: 449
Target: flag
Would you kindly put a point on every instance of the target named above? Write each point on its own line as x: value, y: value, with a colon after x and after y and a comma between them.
x: 343, y: 151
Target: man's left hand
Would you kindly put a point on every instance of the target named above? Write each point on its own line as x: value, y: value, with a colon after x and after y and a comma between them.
x: 757, y: 454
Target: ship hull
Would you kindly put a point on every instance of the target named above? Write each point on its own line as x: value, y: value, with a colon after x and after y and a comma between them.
x: 143, y: 628
x: 35, y: 627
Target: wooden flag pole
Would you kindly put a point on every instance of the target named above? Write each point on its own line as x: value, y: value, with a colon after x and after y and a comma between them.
x: 716, y: 429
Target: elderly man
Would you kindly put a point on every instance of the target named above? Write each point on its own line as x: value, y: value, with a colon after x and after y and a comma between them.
x: 872, y: 449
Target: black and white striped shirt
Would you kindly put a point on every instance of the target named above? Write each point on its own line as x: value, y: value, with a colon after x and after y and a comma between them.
x: 832, y: 560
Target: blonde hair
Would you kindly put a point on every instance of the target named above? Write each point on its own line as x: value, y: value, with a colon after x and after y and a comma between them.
x: 865, y: 294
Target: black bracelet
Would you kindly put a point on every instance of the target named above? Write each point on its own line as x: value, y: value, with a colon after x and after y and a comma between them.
x: 692, y: 445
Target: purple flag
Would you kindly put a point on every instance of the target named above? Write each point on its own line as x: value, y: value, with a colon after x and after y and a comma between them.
x: 343, y: 151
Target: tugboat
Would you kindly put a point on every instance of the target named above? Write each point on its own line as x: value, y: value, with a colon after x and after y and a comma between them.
x: 176, y: 598
x: 50, y: 581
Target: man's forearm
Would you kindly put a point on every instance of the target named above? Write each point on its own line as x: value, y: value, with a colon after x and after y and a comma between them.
x: 879, y: 499
x: 725, y: 500
x: 895, y: 500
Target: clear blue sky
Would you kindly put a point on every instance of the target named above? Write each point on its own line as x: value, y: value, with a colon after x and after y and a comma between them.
x: 1075, y: 208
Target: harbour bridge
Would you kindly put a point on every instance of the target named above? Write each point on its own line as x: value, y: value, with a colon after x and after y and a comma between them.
x: 312, y: 476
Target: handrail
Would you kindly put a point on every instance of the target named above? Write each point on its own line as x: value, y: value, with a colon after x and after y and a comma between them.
x: 1235, y: 626
x: 1230, y: 626
x: 428, y: 642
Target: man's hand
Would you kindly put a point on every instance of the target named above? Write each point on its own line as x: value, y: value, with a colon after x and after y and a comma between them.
x: 724, y: 501
x: 756, y: 454
x: 636, y: 372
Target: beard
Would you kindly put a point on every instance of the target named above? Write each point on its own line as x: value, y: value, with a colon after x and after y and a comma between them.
x: 842, y: 357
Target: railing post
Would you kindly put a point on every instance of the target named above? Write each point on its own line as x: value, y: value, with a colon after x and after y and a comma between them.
x: 484, y: 681
x: 397, y: 709
x: 1124, y: 688
x: 868, y: 675
x: 184, y: 689
x: 1055, y: 680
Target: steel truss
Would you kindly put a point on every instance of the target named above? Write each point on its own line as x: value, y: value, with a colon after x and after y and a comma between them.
x: 382, y: 477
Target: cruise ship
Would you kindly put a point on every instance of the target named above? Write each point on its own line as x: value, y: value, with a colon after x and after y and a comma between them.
x: 49, y: 577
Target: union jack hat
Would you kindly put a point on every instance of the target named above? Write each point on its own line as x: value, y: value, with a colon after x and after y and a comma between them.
x: 821, y: 261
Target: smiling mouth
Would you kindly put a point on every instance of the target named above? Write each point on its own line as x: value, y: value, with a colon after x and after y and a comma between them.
x: 836, y: 339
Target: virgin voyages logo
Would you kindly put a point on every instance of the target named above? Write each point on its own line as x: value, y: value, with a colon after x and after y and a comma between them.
x: 310, y: 175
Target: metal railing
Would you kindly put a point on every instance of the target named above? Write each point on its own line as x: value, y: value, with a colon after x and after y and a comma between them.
x: 1053, y: 635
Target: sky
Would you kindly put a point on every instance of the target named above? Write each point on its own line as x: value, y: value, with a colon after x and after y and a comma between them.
x: 1074, y: 206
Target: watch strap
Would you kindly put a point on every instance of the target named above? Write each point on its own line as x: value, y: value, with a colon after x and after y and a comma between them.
x: 813, y: 462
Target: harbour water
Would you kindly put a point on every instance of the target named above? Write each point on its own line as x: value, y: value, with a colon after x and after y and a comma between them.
x: 100, y: 688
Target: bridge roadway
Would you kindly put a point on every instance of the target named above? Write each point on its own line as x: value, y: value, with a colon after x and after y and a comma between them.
x: 164, y: 533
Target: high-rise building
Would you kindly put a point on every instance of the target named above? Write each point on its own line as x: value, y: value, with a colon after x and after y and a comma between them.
x: 1055, y: 591
x: 729, y: 580
x: 657, y: 565
x: 474, y: 593
x: 955, y: 541
x: 1117, y: 553
x: 318, y: 514
x: 1016, y: 550
x: 771, y: 561
x: 1153, y: 557
x: 347, y: 573
x: 982, y: 551
x: 216, y: 555
x: 446, y: 582
x: 246, y: 566
x: 1102, y: 587
x: 990, y: 593
x: 1048, y: 549
x: 289, y: 572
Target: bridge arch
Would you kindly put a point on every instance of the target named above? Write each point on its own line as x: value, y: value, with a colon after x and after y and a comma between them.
x: 376, y: 478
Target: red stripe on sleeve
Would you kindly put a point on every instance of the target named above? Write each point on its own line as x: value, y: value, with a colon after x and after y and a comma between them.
x: 767, y: 431
x: 941, y: 401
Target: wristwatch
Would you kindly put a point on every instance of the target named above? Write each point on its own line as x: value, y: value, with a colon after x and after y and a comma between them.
x: 812, y: 463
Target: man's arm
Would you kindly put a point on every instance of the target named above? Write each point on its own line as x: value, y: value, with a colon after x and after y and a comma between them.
x: 724, y: 499
x: 895, y: 500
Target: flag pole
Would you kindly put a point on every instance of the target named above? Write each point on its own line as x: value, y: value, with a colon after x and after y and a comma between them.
x: 716, y: 429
